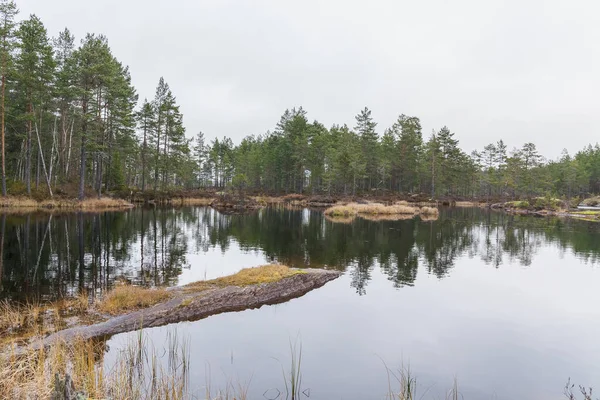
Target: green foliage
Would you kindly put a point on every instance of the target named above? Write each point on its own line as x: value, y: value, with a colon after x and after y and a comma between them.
x: 72, y: 116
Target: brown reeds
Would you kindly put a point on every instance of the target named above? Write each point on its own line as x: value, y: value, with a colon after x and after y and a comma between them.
x: 378, y: 209
x: 18, y: 204
x: 128, y: 298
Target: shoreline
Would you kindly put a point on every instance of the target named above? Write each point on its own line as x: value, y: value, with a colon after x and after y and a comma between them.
x: 23, y: 204
x: 193, y: 302
x: 228, y: 203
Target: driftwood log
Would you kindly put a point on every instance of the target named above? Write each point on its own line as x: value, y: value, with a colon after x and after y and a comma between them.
x: 186, y: 306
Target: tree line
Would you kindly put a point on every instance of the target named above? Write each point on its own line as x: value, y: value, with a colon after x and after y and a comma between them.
x: 306, y: 157
x: 70, y: 118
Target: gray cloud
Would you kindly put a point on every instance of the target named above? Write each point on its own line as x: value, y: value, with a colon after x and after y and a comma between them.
x: 513, y: 70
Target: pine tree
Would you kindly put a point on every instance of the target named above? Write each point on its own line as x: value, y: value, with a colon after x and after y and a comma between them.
x: 35, y: 71
x: 160, y: 98
x: 365, y: 127
x: 64, y: 46
x: 8, y: 11
x: 146, y: 119
x: 92, y: 66
x: 200, y: 158
x: 409, y: 147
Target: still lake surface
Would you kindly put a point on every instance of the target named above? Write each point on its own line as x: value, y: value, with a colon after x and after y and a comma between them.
x: 508, y: 305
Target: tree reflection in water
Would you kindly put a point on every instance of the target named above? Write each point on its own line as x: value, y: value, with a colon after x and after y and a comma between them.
x: 47, y: 256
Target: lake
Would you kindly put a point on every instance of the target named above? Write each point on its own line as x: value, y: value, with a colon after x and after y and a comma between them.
x: 507, y: 305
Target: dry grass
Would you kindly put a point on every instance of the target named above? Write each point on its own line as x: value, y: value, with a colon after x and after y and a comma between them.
x: 18, y: 204
x: 196, y: 201
x: 342, y: 211
x: 371, y: 209
x: 20, y: 322
x: 104, y: 202
x: 32, y: 375
x: 138, y: 372
x: 466, y: 204
x: 11, y: 317
x: 425, y: 204
x: 249, y: 276
x: 128, y: 298
x: 430, y: 211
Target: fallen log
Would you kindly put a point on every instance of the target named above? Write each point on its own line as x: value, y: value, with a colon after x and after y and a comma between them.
x: 186, y: 305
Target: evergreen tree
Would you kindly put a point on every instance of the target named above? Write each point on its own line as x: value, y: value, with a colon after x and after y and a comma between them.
x: 35, y: 73
x: 64, y: 46
x: 365, y: 127
x: 409, y: 147
x: 200, y: 158
x: 8, y: 12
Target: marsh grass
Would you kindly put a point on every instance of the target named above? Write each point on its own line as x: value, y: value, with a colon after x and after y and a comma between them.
x: 373, y: 210
x: 19, y: 204
x: 293, y: 380
x: 249, y: 276
x: 232, y: 391
x: 34, y: 374
x: 380, y: 209
x: 140, y: 371
x: 348, y: 210
x: 22, y: 322
x: 143, y: 370
x: 402, y: 384
x: 128, y: 298
x: 468, y: 204
x: 429, y: 211
x: 11, y: 316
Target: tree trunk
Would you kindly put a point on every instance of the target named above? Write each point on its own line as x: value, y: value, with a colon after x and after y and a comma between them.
x: 28, y: 154
x: 157, y: 155
x: 37, y: 171
x: 144, y: 148
x: 2, y: 105
x: 82, y: 169
x: 2, y: 230
x: 99, y: 176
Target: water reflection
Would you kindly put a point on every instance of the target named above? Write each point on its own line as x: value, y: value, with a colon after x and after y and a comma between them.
x: 51, y: 255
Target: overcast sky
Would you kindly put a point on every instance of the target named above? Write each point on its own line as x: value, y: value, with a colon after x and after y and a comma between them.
x: 514, y: 70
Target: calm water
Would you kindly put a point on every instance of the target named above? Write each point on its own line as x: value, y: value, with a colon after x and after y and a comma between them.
x: 508, y: 305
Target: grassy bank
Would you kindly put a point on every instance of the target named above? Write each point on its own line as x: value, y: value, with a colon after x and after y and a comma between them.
x: 378, y: 211
x: 20, y: 323
x: 127, y: 298
x: 76, y: 370
x: 248, y: 276
x: 25, y: 204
